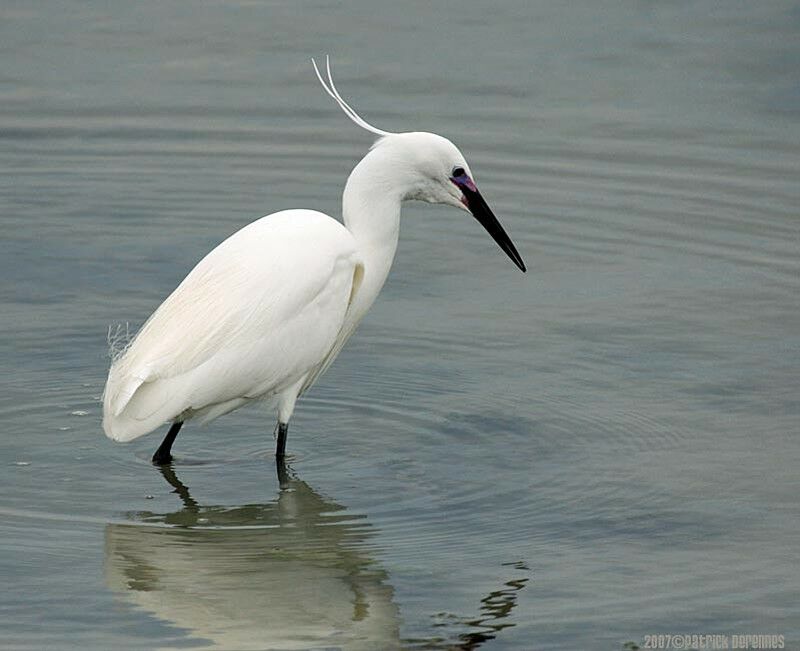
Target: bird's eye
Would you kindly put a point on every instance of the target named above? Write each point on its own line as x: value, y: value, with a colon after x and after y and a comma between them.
x: 458, y: 171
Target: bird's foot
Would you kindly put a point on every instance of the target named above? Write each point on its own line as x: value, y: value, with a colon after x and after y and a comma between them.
x: 161, y: 458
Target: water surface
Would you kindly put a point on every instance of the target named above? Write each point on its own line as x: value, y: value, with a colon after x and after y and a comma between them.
x: 603, y: 448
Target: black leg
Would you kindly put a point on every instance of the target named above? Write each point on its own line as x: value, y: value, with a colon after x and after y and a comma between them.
x: 281, y: 430
x: 283, y: 473
x: 163, y: 455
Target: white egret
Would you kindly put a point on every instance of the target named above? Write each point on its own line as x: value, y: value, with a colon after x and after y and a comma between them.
x: 264, y: 314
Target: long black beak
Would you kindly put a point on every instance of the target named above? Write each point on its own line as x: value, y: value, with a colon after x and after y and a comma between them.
x: 480, y: 210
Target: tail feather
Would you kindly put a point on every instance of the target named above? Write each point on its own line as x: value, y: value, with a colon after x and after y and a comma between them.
x: 137, y: 416
x: 134, y: 406
x: 119, y: 398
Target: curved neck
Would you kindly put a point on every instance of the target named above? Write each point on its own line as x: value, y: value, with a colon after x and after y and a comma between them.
x: 371, y: 212
x: 371, y: 203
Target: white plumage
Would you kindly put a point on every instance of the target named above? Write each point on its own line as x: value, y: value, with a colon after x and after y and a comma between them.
x: 263, y: 315
x: 230, y: 331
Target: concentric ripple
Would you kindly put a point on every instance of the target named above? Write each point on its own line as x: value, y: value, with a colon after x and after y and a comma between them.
x: 567, y: 459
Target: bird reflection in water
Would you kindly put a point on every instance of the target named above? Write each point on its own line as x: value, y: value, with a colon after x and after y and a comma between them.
x: 293, y: 573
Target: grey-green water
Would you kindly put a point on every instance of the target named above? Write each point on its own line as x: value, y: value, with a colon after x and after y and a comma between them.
x: 603, y: 448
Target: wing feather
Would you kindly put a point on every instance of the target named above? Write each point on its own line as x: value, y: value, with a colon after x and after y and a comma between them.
x: 348, y: 328
x: 258, y: 311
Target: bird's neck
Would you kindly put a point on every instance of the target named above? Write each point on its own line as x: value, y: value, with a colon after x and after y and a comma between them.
x: 371, y: 212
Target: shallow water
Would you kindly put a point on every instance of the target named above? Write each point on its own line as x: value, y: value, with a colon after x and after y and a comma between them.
x: 603, y: 448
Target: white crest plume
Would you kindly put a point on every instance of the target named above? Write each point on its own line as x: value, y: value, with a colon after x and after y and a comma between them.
x: 348, y: 110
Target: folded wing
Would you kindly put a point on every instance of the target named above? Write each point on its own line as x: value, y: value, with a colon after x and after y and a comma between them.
x: 259, y: 313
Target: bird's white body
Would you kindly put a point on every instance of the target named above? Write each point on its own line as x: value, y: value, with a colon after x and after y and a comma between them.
x: 258, y: 317
x: 263, y: 315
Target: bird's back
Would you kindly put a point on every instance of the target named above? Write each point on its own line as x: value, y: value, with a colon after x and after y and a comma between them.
x: 259, y: 311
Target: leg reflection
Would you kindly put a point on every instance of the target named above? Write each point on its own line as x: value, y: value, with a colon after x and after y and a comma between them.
x: 168, y: 473
x: 283, y: 473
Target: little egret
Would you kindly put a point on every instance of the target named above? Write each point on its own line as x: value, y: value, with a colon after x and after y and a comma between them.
x: 264, y: 314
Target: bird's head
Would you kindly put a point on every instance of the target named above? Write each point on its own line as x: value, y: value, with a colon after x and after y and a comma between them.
x: 427, y: 167
x: 424, y: 166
